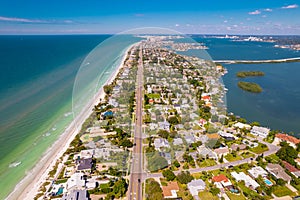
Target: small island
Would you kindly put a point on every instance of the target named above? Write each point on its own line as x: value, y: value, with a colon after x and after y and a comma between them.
x: 244, y: 74
x: 250, y: 87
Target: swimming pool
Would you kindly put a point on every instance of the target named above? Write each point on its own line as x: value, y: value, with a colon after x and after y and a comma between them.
x: 268, y: 182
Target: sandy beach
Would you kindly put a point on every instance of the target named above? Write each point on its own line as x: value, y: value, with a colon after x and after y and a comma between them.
x: 29, y: 186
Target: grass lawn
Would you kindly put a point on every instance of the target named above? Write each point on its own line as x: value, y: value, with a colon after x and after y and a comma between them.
x: 247, y: 154
x: 281, y: 191
x: 105, y: 185
x: 207, y: 163
x: 259, y: 149
x: 207, y: 195
x: 297, y: 187
x: 183, y: 192
x: 273, y: 158
x: 229, y: 157
x: 235, y: 196
x: 154, y: 96
x: 247, y: 190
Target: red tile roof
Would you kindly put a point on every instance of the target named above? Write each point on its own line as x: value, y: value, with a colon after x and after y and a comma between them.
x: 287, y: 138
x: 167, y: 189
x: 290, y: 167
x: 220, y: 178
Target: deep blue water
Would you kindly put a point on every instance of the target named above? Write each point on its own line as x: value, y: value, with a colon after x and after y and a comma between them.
x: 278, y: 105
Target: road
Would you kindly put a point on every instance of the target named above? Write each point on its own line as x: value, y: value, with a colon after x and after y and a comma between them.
x: 272, y: 149
x: 136, y: 172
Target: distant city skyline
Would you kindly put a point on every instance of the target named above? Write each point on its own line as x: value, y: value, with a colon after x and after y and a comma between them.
x: 109, y: 17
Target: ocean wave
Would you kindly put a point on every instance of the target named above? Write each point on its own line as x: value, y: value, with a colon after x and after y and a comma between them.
x: 14, y: 164
x: 68, y: 114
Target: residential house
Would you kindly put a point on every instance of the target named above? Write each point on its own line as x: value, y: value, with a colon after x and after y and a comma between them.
x: 76, y: 181
x: 177, y: 141
x: 222, y: 151
x: 226, y: 136
x: 189, y: 138
x: 164, y: 125
x: 249, y: 182
x: 160, y: 143
x: 221, y: 181
x: 277, y: 171
x: 242, y: 125
x: 88, y: 153
x: 76, y: 194
x: 235, y: 147
x: 170, y: 191
x: 291, y: 168
x: 292, y: 141
x: 84, y: 164
x: 195, y: 186
x: 260, y: 131
x: 257, y: 171
x: 206, y: 152
x: 213, y: 136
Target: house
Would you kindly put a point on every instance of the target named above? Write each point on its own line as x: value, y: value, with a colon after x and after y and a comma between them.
x: 249, y: 182
x: 226, y: 136
x: 277, y: 171
x: 255, y: 172
x: 88, y: 153
x: 195, y: 186
x: 76, y: 181
x: 84, y: 164
x: 189, y: 138
x: 76, y: 194
x: 221, y: 181
x: 167, y: 156
x: 170, y: 191
x: 206, y: 152
x: 160, y: 143
x: 177, y: 141
x: 291, y: 168
x: 242, y: 125
x: 260, y: 131
x: 292, y: 141
x: 213, y: 136
x: 222, y: 151
x: 164, y: 125
x: 235, y: 147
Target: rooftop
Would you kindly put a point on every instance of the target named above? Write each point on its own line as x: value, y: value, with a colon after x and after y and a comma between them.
x: 287, y: 138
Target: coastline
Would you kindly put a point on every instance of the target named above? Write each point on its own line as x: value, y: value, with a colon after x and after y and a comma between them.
x: 29, y: 186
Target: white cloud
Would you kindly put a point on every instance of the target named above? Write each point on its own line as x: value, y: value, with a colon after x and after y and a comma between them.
x: 290, y: 6
x: 177, y: 25
x: 15, y: 19
x: 257, y: 12
x: 225, y: 21
x: 268, y: 10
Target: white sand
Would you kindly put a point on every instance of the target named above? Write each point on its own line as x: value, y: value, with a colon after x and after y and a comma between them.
x: 29, y: 186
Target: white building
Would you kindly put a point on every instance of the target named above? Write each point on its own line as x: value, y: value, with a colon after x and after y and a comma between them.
x: 255, y: 172
x: 160, y: 143
x: 249, y: 182
x: 260, y: 131
x: 76, y: 181
x: 241, y: 125
x: 195, y: 186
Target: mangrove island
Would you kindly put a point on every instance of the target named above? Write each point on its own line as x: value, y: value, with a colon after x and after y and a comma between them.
x: 250, y: 87
x: 244, y: 74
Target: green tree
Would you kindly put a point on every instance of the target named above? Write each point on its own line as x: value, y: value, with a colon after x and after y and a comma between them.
x: 184, y: 177
x: 169, y: 175
x: 163, y: 134
x: 176, y: 163
x: 153, y: 190
x: 214, y: 191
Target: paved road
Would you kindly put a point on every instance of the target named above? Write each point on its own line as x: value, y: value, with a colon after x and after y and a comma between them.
x: 136, y: 176
x: 272, y: 149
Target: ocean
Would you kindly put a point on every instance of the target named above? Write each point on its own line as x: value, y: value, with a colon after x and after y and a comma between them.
x: 38, y: 75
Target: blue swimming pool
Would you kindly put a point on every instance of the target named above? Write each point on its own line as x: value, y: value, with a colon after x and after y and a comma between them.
x: 268, y: 182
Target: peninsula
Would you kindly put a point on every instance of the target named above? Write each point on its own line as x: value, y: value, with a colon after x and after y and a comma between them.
x: 161, y: 130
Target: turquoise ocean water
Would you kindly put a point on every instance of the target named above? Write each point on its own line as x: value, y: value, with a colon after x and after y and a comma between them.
x: 37, y: 78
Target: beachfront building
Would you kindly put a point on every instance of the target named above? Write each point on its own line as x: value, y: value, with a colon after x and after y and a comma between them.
x: 260, y: 131
x: 76, y: 194
x: 242, y: 126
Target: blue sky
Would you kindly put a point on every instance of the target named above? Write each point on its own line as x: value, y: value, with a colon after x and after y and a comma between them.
x: 114, y: 16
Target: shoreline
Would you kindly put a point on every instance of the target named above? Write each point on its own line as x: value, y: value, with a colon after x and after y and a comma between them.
x: 29, y: 186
